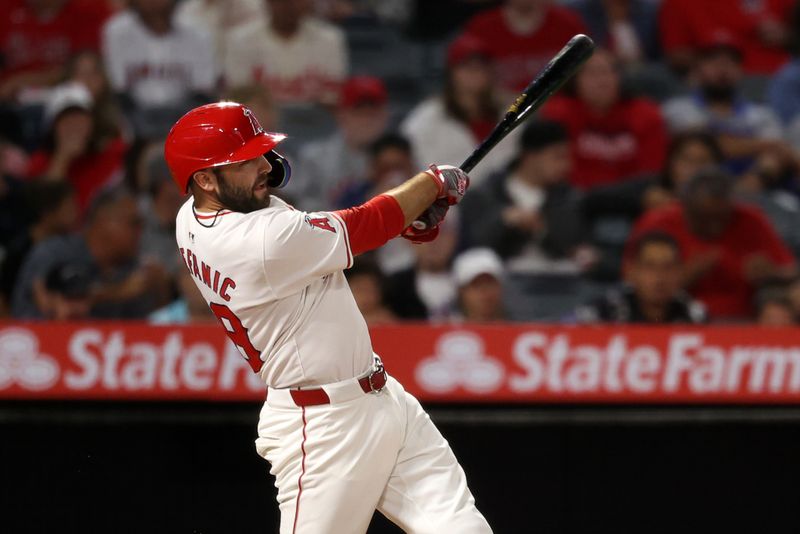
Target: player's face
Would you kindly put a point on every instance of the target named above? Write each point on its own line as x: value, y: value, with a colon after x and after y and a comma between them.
x: 243, y: 186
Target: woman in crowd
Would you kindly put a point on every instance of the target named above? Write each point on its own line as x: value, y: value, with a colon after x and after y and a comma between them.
x: 78, y: 147
x: 450, y: 125
x: 613, y: 136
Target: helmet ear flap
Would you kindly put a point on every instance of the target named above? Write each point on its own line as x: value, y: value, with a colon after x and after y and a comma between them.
x: 281, y: 170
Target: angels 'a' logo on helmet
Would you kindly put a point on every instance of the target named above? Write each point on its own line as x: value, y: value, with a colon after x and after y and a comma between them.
x: 257, y: 129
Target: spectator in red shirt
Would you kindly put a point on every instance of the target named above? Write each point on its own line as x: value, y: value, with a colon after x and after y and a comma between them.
x: 612, y: 137
x: 75, y: 149
x: 761, y: 26
x: 38, y: 36
x: 730, y: 249
x: 522, y: 36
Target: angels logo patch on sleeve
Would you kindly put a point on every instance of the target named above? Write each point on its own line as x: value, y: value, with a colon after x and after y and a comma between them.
x: 320, y: 222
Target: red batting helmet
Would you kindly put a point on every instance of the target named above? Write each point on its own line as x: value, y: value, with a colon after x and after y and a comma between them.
x: 219, y: 134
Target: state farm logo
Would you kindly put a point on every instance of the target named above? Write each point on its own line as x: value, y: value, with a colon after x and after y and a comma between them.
x: 460, y: 361
x: 21, y: 362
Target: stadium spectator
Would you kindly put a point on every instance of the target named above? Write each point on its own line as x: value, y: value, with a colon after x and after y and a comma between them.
x: 729, y: 249
x: 652, y: 293
x: 38, y: 36
x: 189, y: 307
x: 522, y: 36
x: 158, y: 68
x: 613, y: 137
x: 610, y: 211
x: 772, y: 185
x: 629, y: 28
x: 783, y: 93
x: 427, y: 290
x: 447, y: 127
x: 390, y: 162
x: 479, y: 275
x: 86, y: 68
x: 368, y: 286
x: 51, y: 210
x: 68, y: 289
x: 743, y: 128
x: 299, y: 58
x: 326, y: 167
x: 75, y: 149
x: 761, y: 27
x: 107, y: 248
x: 529, y: 214
x: 688, y: 153
x: 220, y: 18
x: 774, y: 308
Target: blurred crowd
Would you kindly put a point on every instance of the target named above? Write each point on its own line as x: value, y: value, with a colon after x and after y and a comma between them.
x: 661, y: 185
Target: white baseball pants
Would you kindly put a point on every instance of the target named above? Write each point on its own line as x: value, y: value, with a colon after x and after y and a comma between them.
x: 334, y: 464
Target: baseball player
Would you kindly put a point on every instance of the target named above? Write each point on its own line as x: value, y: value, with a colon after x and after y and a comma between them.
x: 342, y: 436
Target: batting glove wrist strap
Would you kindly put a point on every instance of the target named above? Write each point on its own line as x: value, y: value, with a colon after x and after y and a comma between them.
x: 451, y: 181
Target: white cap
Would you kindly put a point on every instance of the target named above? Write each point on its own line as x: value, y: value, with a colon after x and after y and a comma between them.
x: 475, y: 262
x: 65, y: 96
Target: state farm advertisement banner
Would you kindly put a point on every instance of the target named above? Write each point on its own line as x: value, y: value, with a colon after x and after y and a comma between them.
x: 519, y: 363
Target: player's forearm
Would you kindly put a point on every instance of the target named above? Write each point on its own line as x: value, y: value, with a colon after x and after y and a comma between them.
x: 414, y: 196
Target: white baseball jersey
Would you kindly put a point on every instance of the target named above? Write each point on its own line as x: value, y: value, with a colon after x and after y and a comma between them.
x: 157, y: 69
x: 274, y: 279
x: 306, y: 68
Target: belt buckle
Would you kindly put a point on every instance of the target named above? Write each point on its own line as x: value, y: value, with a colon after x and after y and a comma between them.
x: 379, y: 370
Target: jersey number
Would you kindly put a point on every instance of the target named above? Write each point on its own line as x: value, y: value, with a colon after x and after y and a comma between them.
x: 238, y: 334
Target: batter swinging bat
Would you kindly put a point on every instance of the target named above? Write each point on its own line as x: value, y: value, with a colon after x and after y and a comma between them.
x: 554, y: 75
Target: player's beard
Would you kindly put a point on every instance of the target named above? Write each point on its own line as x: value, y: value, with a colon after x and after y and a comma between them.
x: 240, y: 198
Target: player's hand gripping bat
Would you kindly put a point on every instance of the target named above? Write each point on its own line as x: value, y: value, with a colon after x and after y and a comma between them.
x: 560, y: 69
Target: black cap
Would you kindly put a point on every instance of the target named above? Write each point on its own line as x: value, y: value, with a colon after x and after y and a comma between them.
x: 71, y: 280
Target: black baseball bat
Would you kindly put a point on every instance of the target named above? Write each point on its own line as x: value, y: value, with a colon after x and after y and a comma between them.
x: 560, y: 69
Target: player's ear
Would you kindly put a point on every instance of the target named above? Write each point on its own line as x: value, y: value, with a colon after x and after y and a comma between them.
x: 205, y: 180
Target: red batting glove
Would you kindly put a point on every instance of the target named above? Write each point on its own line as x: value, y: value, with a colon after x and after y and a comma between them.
x: 451, y: 181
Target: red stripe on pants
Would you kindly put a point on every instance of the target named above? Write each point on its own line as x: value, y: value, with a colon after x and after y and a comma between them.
x: 302, y: 472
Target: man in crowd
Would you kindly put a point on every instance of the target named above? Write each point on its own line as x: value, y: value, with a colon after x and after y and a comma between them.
x: 426, y: 290
x: 107, y: 250
x: 653, y: 292
x: 479, y: 274
x: 159, y: 68
x: 299, y: 58
x: 329, y: 166
x: 522, y: 36
x: 37, y: 37
x: 729, y: 249
x: 743, y: 128
x: 529, y: 215
x: 52, y: 211
x: 760, y: 25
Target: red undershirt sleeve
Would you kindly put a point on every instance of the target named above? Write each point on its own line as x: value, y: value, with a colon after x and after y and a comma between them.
x: 373, y: 223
